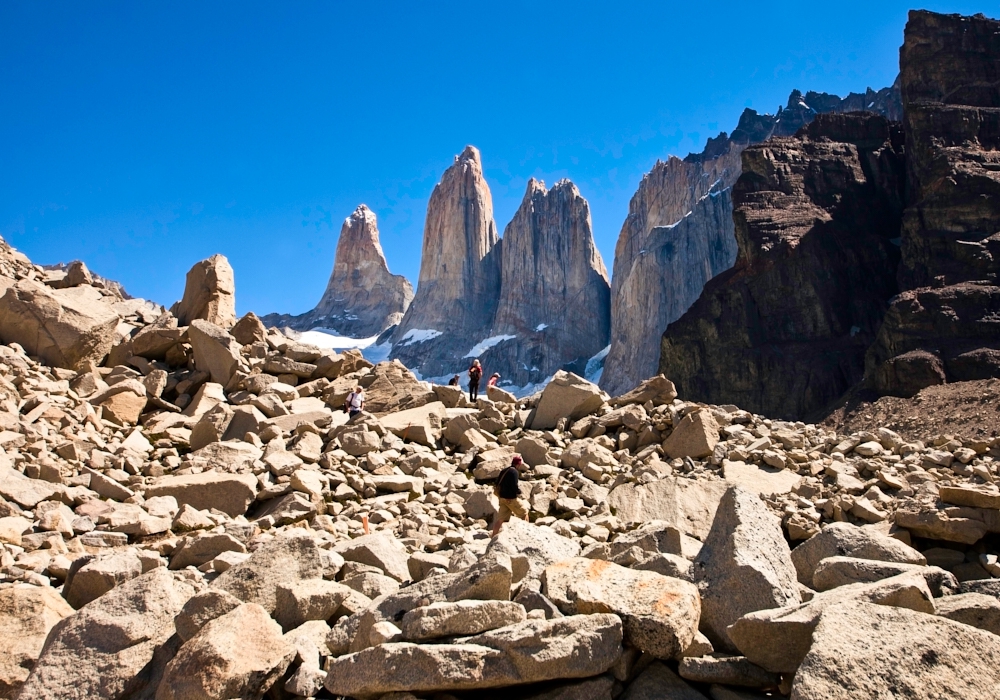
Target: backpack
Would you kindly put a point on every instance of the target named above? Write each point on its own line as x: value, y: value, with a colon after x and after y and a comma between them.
x: 508, y: 483
x: 475, y: 373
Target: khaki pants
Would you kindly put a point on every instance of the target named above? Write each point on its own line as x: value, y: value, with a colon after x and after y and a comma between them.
x: 509, y: 507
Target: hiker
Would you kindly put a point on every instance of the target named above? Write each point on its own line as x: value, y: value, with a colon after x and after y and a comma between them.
x: 355, y: 402
x: 475, y: 374
x: 493, y: 380
x: 453, y: 381
x: 507, y: 490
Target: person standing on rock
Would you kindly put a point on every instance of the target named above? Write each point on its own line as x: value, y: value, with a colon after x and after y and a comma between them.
x: 507, y: 490
x: 453, y: 381
x: 475, y: 375
x: 355, y: 402
x: 493, y: 380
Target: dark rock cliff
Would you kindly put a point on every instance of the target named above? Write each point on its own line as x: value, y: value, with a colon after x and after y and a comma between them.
x: 786, y: 330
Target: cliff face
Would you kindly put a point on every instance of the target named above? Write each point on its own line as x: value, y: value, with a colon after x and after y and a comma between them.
x: 554, y: 295
x: 362, y: 298
x: 657, y: 276
x: 786, y: 330
x: 459, y: 283
x: 945, y: 326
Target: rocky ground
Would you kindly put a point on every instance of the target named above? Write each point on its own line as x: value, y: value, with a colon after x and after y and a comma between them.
x: 186, y: 512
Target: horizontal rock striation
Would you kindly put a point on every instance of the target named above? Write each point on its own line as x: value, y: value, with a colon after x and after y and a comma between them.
x: 362, y: 298
x: 785, y: 332
x: 944, y: 327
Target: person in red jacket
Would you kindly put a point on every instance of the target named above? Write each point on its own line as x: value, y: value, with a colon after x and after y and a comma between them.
x: 493, y: 380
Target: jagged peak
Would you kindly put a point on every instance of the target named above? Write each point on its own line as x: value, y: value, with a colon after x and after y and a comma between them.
x: 361, y: 213
x: 470, y: 154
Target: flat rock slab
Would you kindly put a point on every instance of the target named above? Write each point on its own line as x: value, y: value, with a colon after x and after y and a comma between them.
x: 686, y: 504
x: 861, y: 650
x: 230, y: 493
x: 660, y: 615
x: 762, y: 480
x: 466, y: 617
x: 530, y: 652
x: 841, y: 571
x: 541, y: 546
x: 27, y: 613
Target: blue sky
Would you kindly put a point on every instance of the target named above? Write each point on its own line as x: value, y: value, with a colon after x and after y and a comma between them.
x: 142, y: 137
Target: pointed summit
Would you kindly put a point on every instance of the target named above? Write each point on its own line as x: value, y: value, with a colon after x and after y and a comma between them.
x: 362, y: 298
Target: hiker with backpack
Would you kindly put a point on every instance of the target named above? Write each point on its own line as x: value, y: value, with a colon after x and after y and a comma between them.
x: 355, y: 402
x: 508, y: 490
x: 475, y: 375
x: 493, y: 380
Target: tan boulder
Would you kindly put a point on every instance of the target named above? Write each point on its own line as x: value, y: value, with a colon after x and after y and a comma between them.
x: 687, y: 504
x: 27, y: 613
x: 68, y: 328
x: 660, y: 614
x: 215, y: 351
x: 695, y: 436
x: 230, y: 493
x: 566, y: 396
x: 209, y: 294
x: 872, y: 651
x: 238, y: 655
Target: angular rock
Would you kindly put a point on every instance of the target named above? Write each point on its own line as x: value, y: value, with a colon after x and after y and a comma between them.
x: 284, y: 560
x: 238, y: 655
x: 973, y: 609
x: 917, y: 656
x: 541, y: 546
x: 744, y: 565
x: 91, y: 578
x: 27, y: 613
x: 566, y: 396
x: 101, y: 651
x: 230, y: 493
x: 779, y: 639
x: 215, y: 351
x: 378, y: 550
x: 841, y: 571
x: 201, y: 609
x: 727, y: 670
x: 209, y: 294
x: 687, y: 504
x: 657, y: 681
x: 695, y: 436
x: 659, y: 614
x: 844, y: 539
x: 312, y: 599
x: 65, y: 328
x: 466, y: 617
x: 529, y: 652
x: 196, y: 550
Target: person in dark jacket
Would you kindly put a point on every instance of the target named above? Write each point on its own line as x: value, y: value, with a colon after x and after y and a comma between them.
x: 475, y: 375
x: 453, y: 381
x: 507, y: 490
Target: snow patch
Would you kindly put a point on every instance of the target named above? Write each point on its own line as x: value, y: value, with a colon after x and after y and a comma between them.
x: 377, y: 353
x: 595, y: 366
x: 329, y: 340
x: 419, y: 335
x: 484, y: 345
x: 541, y: 326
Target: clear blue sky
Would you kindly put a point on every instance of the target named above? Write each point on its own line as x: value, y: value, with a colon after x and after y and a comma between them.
x: 142, y: 137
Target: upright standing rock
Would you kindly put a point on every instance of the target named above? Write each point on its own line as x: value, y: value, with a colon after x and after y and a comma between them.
x: 362, y: 298
x: 459, y: 282
x: 209, y: 294
x: 554, y: 293
x: 744, y: 566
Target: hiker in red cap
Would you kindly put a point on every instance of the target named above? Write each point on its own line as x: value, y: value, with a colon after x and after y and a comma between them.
x: 507, y: 490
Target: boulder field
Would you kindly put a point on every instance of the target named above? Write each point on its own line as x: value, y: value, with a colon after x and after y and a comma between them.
x: 191, y: 514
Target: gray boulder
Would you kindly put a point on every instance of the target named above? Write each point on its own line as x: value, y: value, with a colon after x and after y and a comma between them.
x: 744, y: 565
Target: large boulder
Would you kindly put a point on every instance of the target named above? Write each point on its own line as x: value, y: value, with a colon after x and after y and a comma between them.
x: 209, y: 294
x: 744, y: 565
x: 380, y: 550
x: 659, y: 614
x: 421, y: 424
x: 529, y: 652
x: 91, y: 577
x: 695, y: 436
x: 238, y: 655
x: 846, y: 540
x: 215, y: 351
x: 67, y: 328
x: 27, y: 613
x: 230, y: 493
x: 541, y: 546
x: 687, y: 504
x: 102, y: 650
x: 282, y: 561
x: 566, y: 396
x: 465, y: 617
x: 779, y: 639
x: 872, y: 651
